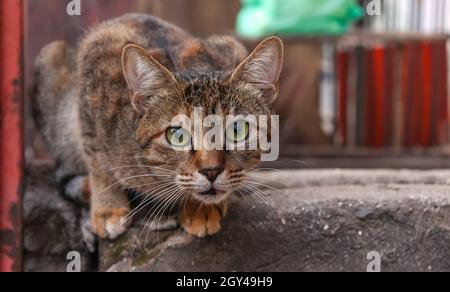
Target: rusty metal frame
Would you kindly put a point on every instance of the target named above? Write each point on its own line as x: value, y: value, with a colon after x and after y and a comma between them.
x: 11, y: 134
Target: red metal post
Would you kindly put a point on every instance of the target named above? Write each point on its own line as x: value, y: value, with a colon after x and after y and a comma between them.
x: 11, y: 135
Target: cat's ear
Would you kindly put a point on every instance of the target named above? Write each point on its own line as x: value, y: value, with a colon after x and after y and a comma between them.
x: 262, y: 68
x: 146, y: 77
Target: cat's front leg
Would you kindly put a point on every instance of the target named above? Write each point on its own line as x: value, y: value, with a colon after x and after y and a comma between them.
x: 200, y: 219
x: 109, y: 209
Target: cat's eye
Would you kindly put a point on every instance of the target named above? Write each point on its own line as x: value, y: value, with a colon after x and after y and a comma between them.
x: 178, y: 137
x: 238, y: 131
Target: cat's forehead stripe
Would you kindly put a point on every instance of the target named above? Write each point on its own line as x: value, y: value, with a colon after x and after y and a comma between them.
x: 206, y: 90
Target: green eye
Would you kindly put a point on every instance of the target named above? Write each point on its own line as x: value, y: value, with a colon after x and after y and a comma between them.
x: 178, y: 137
x: 238, y: 131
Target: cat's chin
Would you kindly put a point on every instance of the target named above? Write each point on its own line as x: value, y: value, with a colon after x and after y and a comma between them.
x: 211, y: 199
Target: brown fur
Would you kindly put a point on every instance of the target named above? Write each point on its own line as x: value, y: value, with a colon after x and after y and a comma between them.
x: 98, y: 119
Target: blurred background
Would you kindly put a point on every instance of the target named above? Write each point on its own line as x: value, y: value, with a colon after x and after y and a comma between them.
x: 365, y: 83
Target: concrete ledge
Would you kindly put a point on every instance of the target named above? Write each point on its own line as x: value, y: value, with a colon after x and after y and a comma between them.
x: 333, y: 219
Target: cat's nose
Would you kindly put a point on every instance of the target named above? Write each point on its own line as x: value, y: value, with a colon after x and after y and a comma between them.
x: 211, y: 173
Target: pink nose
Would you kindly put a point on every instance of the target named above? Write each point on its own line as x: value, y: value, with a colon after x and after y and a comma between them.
x: 211, y: 173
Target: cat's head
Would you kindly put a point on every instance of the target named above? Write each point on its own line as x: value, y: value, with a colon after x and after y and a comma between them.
x: 159, y: 96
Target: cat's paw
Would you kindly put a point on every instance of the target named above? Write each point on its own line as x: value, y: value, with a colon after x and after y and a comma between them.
x: 110, y: 223
x: 200, y: 220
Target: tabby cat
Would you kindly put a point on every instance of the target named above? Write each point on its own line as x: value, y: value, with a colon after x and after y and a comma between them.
x: 105, y: 108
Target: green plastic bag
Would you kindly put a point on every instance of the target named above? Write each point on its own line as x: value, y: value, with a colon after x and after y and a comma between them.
x: 259, y: 18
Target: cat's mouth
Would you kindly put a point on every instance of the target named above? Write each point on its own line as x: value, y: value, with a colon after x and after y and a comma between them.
x: 211, y: 196
x: 212, y: 192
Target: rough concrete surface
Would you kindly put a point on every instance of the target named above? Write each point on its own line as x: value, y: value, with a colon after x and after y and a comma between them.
x: 332, y: 220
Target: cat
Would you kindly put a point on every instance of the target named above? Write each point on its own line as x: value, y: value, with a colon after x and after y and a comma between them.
x: 105, y: 108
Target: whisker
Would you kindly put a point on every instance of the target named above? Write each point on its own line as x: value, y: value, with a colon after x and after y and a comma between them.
x: 128, y: 178
x: 149, y: 199
x: 269, y: 206
x: 150, y: 184
x: 164, y: 195
x: 146, y: 185
x: 295, y: 160
x: 264, y: 185
x: 267, y: 199
x: 144, y: 193
x: 168, y: 194
x: 141, y: 205
x: 262, y: 193
x: 247, y: 177
x: 173, y: 198
x: 257, y: 196
x: 183, y: 192
x: 164, y: 198
x: 267, y: 168
x: 160, y: 214
x: 188, y: 197
x: 137, y: 165
x: 257, y: 193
